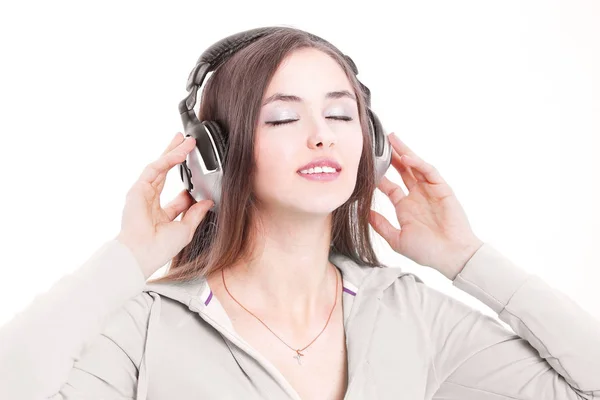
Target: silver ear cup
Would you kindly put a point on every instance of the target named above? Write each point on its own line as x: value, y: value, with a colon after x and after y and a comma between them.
x: 382, y: 149
x: 204, y: 183
x: 382, y: 163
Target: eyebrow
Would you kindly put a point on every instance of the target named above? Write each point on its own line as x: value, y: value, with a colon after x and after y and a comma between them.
x: 289, y: 97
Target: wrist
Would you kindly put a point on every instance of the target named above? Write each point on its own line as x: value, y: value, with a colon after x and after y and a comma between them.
x: 461, y: 257
x: 137, y: 253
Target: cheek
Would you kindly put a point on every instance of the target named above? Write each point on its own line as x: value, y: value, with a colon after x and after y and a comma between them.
x: 353, y: 151
x: 275, y: 164
x: 275, y: 155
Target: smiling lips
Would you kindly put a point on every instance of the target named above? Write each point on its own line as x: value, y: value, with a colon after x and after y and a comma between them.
x: 322, y: 162
x: 320, y: 174
x: 321, y: 169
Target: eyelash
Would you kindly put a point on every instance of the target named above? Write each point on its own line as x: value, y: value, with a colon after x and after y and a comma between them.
x: 287, y: 121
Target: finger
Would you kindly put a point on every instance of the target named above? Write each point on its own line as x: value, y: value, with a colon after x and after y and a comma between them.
x: 398, y: 145
x: 383, y: 227
x: 391, y: 190
x: 426, y: 170
x: 157, y: 170
x: 399, y: 148
x: 405, y: 172
x: 421, y: 170
x: 159, y: 182
x: 195, y: 214
x: 179, y: 204
x: 176, y: 141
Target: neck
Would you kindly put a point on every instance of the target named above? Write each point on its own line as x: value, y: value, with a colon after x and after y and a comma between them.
x: 288, y: 275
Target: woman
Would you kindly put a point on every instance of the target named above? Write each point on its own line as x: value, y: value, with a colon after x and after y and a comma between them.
x: 279, y: 294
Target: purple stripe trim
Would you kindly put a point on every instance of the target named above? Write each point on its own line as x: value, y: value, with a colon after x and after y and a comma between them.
x: 349, y: 291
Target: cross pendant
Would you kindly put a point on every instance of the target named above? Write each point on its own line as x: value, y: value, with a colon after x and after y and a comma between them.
x: 297, y: 356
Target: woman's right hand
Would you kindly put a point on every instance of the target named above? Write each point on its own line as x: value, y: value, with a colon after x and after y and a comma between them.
x: 148, y: 230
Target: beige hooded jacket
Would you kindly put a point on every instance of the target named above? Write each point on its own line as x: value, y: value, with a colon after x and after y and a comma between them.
x: 102, y: 332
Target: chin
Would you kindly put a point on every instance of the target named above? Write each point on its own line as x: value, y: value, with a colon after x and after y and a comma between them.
x: 322, y: 210
x: 298, y: 199
x: 319, y: 205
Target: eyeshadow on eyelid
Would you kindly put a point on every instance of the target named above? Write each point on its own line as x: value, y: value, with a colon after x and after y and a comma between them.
x: 280, y: 115
x: 339, y: 111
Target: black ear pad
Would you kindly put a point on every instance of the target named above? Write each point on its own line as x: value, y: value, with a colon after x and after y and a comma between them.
x: 218, y: 136
x: 371, y: 130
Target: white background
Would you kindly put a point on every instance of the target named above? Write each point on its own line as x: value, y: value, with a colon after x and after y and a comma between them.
x: 502, y: 97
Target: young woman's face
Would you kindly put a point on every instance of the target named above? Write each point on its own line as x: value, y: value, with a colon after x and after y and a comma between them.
x: 322, y: 125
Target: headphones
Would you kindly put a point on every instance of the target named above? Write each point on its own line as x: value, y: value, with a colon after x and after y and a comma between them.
x: 202, y: 170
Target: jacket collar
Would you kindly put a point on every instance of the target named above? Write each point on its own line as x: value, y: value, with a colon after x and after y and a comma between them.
x: 356, y: 278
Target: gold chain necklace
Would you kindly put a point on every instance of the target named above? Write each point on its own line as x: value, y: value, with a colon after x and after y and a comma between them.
x: 298, y: 351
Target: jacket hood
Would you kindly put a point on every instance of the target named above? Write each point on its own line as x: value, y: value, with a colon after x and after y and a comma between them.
x: 371, y: 282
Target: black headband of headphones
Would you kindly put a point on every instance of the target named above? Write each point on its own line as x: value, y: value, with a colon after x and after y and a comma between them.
x: 219, y: 52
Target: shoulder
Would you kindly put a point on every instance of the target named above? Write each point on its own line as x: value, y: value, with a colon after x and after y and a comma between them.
x: 401, y: 288
x: 393, y: 279
x: 375, y: 280
x: 127, y: 326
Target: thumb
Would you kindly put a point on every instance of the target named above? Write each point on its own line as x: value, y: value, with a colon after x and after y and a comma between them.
x: 196, y: 214
x: 383, y: 227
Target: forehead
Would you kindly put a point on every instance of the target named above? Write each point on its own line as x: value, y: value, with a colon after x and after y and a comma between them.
x: 308, y: 72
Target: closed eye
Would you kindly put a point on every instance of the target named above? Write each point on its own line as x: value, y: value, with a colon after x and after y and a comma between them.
x: 288, y: 121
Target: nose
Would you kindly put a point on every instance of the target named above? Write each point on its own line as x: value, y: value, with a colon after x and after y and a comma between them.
x: 321, y: 134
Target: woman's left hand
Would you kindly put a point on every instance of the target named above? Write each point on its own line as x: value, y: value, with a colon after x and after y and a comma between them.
x: 434, y: 229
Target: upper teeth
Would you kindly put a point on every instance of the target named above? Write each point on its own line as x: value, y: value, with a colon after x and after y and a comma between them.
x: 318, y: 170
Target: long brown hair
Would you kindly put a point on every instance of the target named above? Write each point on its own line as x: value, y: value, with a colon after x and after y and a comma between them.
x: 232, y: 96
